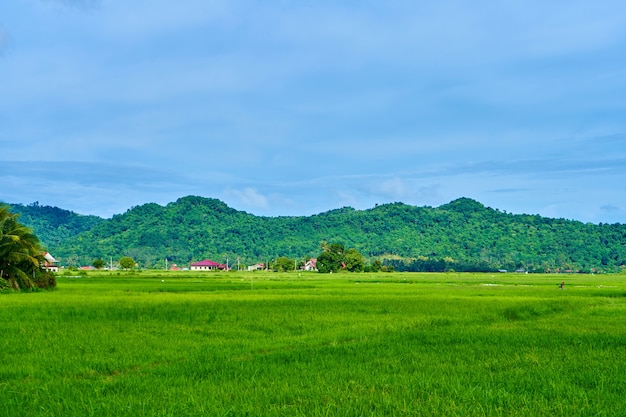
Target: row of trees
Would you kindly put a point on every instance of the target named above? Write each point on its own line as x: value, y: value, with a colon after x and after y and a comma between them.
x: 21, y: 255
x: 334, y: 257
x: 126, y: 262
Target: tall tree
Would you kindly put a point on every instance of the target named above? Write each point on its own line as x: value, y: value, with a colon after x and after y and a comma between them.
x: 127, y: 262
x: 284, y: 264
x: 21, y: 254
x: 98, y: 263
x: 332, y: 258
x: 335, y: 257
x: 354, y: 261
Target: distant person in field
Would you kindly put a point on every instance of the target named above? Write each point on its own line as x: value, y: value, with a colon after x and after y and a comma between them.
x: 562, y: 285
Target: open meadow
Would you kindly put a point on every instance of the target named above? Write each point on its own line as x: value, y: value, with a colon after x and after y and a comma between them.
x: 290, y: 344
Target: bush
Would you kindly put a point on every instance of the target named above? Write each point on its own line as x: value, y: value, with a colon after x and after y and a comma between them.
x: 47, y: 280
x: 4, y: 285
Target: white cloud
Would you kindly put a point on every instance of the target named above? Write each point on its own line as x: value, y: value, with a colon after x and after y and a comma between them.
x: 249, y: 197
x: 395, y: 188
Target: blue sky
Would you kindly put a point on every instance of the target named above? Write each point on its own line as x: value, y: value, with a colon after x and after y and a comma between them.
x: 295, y: 108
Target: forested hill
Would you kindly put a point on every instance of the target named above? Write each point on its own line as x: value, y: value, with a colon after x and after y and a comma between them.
x: 52, y: 225
x: 463, y: 232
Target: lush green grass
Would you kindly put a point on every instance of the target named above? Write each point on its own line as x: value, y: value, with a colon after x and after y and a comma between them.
x: 311, y: 344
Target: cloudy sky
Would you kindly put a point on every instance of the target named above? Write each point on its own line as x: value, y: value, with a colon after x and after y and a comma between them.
x: 297, y: 107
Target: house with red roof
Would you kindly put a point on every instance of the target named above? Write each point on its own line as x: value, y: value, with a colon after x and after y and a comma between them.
x: 206, y: 266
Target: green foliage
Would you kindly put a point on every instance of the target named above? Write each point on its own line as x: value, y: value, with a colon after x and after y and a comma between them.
x: 98, y: 263
x: 284, y: 264
x: 462, y: 235
x: 127, y: 262
x: 335, y: 257
x: 331, y: 259
x: 5, y: 285
x: 52, y: 224
x: 21, y: 255
x: 354, y: 261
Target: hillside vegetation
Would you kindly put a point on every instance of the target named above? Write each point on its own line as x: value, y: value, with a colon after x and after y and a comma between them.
x: 54, y: 225
x: 460, y: 235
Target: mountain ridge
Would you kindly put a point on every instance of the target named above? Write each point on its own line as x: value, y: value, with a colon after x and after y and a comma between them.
x: 463, y: 231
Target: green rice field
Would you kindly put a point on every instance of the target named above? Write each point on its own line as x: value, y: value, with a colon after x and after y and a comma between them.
x: 307, y: 344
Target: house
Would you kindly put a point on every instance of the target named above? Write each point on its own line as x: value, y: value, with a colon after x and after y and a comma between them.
x: 310, y: 265
x: 256, y: 267
x: 206, y: 266
x: 49, y: 263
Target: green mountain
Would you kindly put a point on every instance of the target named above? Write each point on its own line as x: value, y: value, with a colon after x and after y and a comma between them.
x: 52, y: 225
x: 463, y: 234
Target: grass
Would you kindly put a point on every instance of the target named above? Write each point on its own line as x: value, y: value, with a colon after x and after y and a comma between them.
x: 235, y: 344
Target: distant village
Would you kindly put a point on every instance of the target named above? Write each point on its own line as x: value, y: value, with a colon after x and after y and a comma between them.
x: 53, y: 265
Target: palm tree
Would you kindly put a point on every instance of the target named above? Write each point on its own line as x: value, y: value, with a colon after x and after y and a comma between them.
x: 21, y: 254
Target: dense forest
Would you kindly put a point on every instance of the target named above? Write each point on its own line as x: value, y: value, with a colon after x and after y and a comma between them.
x: 460, y: 235
x: 53, y: 225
